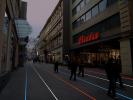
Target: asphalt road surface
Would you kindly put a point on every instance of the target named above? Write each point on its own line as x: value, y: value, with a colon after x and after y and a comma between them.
x: 40, y: 82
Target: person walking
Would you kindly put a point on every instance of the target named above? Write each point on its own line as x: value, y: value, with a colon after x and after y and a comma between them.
x: 73, y: 67
x: 56, y: 66
x: 111, y: 75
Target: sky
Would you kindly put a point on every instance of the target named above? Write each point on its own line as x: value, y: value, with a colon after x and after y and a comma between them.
x: 38, y: 12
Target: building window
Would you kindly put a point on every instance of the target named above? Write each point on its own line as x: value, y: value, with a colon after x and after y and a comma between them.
x: 82, y: 4
x: 110, y: 2
x: 95, y: 10
x: 78, y: 23
x: 82, y: 19
x: 88, y: 15
x: 87, y: 1
x: 74, y: 11
x: 102, y: 5
x: 101, y: 27
x: 78, y: 8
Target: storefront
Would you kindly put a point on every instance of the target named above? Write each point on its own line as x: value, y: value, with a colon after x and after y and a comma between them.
x: 97, y: 55
x: 98, y: 35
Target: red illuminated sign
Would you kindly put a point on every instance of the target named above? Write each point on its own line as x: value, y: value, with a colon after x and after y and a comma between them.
x: 88, y: 38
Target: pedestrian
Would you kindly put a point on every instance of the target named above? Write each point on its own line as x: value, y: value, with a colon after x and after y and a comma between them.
x: 73, y: 67
x: 81, y: 67
x: 56, y: 64
x: 111, y: 75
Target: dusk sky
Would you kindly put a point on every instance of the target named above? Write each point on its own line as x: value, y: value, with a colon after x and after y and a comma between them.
x: 38, y: 12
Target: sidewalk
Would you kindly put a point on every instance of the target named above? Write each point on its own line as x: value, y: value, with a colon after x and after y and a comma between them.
x: 4, y: 78
x: 15, y: 87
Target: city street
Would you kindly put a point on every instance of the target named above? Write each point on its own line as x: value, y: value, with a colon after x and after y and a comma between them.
x: 43, y: 42
x: 40, y: 82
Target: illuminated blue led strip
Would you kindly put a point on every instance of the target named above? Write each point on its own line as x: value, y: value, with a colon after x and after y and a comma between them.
x: 25, y: 95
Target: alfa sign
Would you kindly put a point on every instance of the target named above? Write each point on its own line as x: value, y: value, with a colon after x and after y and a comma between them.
x: 89, y: 37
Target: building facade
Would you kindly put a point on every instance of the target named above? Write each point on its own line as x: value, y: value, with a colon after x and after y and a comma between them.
x: 10, y: 12
x: 101, y: 29
x: 53, y: 41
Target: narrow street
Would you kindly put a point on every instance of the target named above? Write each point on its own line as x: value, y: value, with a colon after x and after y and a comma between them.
x: 39, y: 82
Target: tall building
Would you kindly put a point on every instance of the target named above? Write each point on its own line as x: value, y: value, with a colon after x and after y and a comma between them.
x: 54, y: 37
x: 10, y: 35
x: 101, y: 29
x: 9, y: 11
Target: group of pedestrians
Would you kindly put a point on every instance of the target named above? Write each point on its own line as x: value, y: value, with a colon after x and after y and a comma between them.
x: 113, y: 70
x: 73, y: 65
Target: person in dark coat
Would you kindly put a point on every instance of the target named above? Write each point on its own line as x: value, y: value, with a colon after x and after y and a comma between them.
x: 73, y: 67
x: 111, y: 75
x: 56, y: 66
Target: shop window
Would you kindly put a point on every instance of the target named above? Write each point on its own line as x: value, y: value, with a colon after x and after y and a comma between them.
x: 95, y: 10
x: 102, y: 5
x: 88, y: 15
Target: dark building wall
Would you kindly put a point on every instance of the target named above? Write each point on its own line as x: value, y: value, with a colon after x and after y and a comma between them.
x: 66, y: 22
x: 2, y: 12
x: 131, y: 13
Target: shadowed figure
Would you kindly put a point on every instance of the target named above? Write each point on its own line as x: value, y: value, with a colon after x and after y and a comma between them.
x: 73, y: 67
x: 56, y: 64
x: 112, y: 76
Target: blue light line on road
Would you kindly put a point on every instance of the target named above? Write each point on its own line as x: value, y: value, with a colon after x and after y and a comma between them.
x: 25, y: 95
x: 128, y: 98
